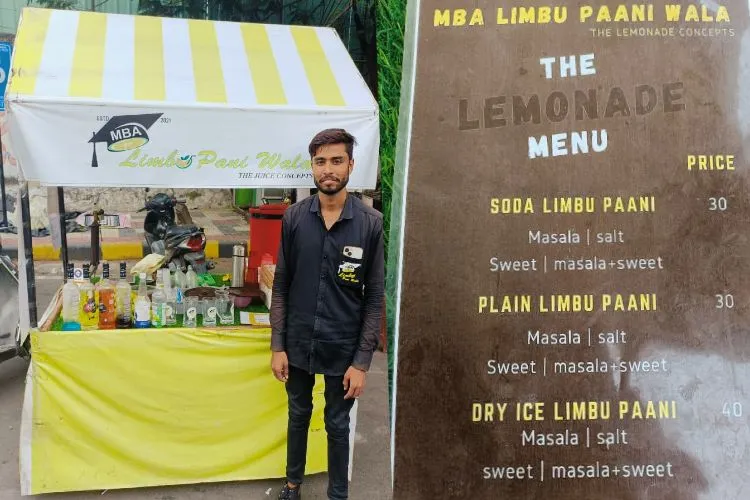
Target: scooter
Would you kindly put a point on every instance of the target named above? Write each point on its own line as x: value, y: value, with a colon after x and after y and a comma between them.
x: 10, y: 340
x: 183, y: 244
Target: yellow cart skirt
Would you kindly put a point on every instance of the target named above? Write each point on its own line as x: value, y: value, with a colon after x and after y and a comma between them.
x: 136, y: 408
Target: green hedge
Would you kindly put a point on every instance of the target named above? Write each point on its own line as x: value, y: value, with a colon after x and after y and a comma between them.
x: 390, y: 46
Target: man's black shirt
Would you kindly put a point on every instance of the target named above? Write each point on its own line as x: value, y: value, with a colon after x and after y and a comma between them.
x: 328, y: 287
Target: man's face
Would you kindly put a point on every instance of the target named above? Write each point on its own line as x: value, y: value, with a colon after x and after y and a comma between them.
x: 331, y: 168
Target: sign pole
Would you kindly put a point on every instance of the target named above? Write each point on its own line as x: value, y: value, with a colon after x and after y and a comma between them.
x: 4, y: 223
x: 5, y: 55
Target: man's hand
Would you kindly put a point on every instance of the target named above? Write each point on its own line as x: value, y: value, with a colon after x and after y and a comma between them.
x: 280, y: 366
x: 354, y: 383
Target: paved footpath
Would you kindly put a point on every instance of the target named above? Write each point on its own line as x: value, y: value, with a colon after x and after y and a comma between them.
x: 371, y: 476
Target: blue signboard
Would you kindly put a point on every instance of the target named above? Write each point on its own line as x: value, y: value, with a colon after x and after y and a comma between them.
x: 5, y: 51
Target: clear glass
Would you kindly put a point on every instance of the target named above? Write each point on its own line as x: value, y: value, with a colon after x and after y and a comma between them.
x: 209, y: 312
x: 190, y: 319
x: 170, y: 313
x: 158, y: 303
x: 225, y: 307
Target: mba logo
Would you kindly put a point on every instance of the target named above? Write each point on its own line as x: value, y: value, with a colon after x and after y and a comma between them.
x: 128, y: 131
x: 124, y: 133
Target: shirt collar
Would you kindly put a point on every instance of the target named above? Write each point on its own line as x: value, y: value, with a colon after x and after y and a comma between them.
x: 346, y: 213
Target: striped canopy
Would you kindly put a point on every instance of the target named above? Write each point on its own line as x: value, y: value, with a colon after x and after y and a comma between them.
x: 114, y: 100
x: 93, y: 56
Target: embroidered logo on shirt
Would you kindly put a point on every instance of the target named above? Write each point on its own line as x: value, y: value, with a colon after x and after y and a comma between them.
x: 348, y: 272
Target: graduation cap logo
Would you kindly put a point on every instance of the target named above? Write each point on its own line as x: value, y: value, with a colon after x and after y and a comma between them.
x: 123, y: 133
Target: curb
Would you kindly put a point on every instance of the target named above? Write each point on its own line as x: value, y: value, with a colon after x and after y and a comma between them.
x: 117, y: 251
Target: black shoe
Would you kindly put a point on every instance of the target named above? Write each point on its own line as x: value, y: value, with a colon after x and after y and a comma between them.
x: 288, y: 493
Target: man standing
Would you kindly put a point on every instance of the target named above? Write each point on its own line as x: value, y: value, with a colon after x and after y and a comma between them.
x: 326, y: 307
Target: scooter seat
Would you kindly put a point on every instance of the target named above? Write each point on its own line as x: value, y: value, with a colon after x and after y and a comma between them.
x: 181, y: 231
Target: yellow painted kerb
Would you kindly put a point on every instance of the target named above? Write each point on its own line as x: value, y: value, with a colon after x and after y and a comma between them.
x: 45, y: 252
x: 122, y: 250
x: 212, y: 249
x: 127, y: 250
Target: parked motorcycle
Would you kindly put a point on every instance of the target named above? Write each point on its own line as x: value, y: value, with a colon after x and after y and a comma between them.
x: 182, y: 243
x: 10, y: 340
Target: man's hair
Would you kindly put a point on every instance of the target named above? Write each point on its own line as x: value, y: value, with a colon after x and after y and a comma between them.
x: 333, y: 136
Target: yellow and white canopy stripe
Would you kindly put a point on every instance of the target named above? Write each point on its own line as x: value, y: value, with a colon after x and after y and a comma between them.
x: 92, y: 56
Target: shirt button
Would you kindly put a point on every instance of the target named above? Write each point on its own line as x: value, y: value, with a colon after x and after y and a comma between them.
x: 325, y: 257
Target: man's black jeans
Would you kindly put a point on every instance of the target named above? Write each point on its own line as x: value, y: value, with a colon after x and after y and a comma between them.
x: 299, y: 389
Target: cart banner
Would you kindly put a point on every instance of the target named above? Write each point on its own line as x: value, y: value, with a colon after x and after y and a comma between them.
x: 135, y: 409
x: 74, y: 145
x: 578, y: 328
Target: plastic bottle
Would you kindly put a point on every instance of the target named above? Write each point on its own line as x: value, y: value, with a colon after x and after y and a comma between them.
x: 106, y: 291
x: 192, y: 278
x: 89, y: 306
x: 180, y: 280
x: 142, y: 305
x: 158, y: 305
x: 123, y: 306
x: 179, y: 285
x: 166, y: 279
x: 71, y: 303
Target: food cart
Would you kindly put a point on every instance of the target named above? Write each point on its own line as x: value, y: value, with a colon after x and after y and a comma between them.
x: 130, y: 101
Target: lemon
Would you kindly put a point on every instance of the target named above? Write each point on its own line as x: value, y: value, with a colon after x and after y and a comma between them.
x: 127, y: 144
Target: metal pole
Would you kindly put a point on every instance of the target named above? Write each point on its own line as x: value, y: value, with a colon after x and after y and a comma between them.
x: 4, y: 223
x: 93, y: 5
x: 28, y: 254
x: 95, y: 250
x: 63, y: 234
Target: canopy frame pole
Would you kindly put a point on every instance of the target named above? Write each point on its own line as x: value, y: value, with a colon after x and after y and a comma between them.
x: 28, y: 254
x: 63, y: 231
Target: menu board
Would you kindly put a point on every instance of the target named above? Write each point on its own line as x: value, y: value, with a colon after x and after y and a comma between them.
x: 573, y: 317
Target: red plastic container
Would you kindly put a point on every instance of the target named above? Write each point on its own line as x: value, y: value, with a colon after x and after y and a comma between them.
x: 264, y: 238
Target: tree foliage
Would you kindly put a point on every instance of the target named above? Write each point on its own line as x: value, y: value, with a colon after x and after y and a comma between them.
x: 353, y: 19
x: 55, y: 4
